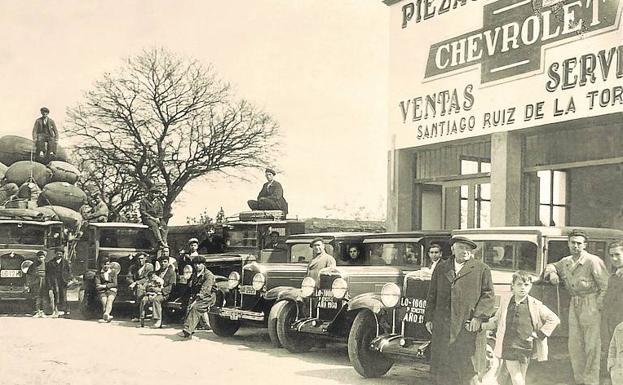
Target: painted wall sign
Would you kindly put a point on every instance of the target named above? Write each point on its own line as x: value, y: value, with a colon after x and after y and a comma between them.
x: 502, y: 65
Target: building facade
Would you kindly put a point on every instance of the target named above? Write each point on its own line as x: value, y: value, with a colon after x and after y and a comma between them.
x: 505, y: 113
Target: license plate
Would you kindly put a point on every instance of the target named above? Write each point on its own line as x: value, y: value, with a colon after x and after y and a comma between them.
x: 246, y: 289
x: 231, y: 315
x: 10, y: 273
x: 327, y: 303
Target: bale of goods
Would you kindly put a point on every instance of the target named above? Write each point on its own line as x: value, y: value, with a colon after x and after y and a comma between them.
x: 20, y: 172
x: 20, y: 213
x: 3, y: 169
x: 62, y: 194
x: 7, y: 191
x: 72, y: 219
x: 16, y: 148
x: 63, y: 171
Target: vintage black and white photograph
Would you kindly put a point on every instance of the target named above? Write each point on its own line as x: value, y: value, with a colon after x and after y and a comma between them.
x: 383, y: 192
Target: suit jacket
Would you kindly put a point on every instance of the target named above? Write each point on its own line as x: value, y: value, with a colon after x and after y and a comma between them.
x: 544, y: 321
x: 57, y: 273
x: 169, y: 279
x: 40, y: 129
x: 319, y: 263
x: 274, y: 191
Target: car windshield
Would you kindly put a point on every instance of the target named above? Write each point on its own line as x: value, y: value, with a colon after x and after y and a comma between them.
x: 557, y: 250
x: 507, y: 255
x: 22, y: 234
x: 125, y: 238
x: 393, y: 254
x: 302, y: 253
x: 242, y: 238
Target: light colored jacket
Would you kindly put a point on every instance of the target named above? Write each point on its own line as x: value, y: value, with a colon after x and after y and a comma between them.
x: 543, y: 320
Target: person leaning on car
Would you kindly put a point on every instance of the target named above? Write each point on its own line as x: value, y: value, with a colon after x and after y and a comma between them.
x: 202, y: 296
x: 460, y: 298
x: 320, y: 260
x: 586, y: 277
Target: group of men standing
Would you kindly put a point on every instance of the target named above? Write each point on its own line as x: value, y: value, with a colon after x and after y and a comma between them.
x: 461, y: 298
x: 49, y: 280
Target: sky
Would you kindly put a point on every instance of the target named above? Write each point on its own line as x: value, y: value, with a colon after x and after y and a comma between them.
x: 319, y: 67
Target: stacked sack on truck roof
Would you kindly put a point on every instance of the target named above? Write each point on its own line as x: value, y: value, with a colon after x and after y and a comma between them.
x: 31, y: 188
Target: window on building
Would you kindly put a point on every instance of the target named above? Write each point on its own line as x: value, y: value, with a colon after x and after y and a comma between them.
x: 481, y: 203
x: 552, y: 197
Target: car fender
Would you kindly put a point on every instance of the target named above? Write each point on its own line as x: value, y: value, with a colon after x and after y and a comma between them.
x: 275, y: 293
x: 370, y: 301
x: 290, y: 294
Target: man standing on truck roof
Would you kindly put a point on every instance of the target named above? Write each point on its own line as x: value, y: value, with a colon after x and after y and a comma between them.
x: 586, y: 278
x: 99, y: 211
x: 320, y: 260
x: 460, y: 298
x: 45, y: 135
x: 271, y: 195
x: 152, y: 213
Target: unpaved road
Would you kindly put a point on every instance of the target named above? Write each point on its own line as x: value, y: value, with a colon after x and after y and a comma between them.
x: 71, y: 351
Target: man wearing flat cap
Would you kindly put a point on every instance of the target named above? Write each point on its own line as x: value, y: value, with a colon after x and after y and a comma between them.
x: 320, y: 260
x: 586, y: 278
x: 45, y: 136
x: 152, y: 214
x: 271, y: 195
x: 459, y: 299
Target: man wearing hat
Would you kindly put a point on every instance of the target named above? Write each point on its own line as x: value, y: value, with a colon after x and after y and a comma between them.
x: 37, y: 283
x: 99, y: 212
x: 152, y: 212
x: 586, y: 278
x: 45, y: 135
x: 459, y: 299
x: 320, y: 260
x: 202, y: 296
x: 271, y: 195
x: 58, y: 276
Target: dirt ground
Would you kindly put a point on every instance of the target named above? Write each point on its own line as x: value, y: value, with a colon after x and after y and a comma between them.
x: 73, y: 351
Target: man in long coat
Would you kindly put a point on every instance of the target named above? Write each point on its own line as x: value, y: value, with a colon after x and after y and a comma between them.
x: 271, y: 195
x: 459, y: 299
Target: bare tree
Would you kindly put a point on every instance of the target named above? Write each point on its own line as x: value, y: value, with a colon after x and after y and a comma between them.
x: 163, y: 121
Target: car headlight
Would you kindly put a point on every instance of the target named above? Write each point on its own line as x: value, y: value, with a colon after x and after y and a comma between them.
x: 25, y: 265
x: 339, y: 288
x: 233, y: 280
x: 258, y: 281
x: 307, y: 287
x: 390, y: 294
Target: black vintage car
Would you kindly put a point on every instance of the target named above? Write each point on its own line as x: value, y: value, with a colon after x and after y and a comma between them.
x: 346, y: 297
x: 20, y: 240
x: 250, y: 297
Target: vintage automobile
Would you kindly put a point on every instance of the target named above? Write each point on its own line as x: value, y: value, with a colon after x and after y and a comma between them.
x: 344, y: 295
x: 395, y: 329
x: 20, y: 240
x: 241, y: 234
x: 250, y: 298
x: 116, y: 240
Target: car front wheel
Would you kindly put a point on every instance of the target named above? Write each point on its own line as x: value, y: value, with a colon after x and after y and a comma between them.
x: 223, y: 327
x: 272, y: 323
x: 289, y: 339
x: 367, y: 362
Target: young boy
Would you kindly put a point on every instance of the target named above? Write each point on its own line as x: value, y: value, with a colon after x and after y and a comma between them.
x: 38, y: 287
x: 523, y: 325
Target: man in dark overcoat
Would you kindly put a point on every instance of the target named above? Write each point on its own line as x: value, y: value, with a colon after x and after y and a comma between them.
x: 271, y: 195
x: 58, y: 276
x: 459, y: 299
x: 45, y: 135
